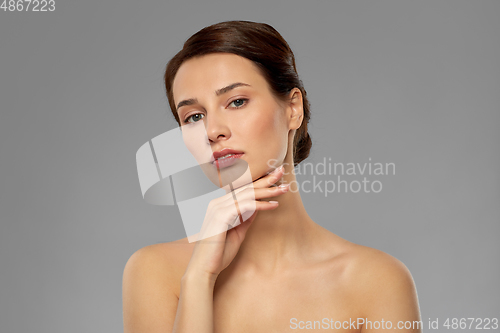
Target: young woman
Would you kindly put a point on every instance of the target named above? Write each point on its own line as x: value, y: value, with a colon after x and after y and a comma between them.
x: 278, y: 271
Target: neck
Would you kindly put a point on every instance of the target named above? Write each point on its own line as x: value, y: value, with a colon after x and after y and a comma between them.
x: 280, y: 236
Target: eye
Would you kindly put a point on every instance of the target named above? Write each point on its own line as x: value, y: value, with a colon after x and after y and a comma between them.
x: 238, y: 103
x: 196, y: 117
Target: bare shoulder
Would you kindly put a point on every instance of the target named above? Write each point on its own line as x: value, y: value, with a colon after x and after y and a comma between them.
x: 151, y: 286
x: 380, y: 282
x: 361, y: 267
x: 174, y: 251
x: 359, y: 259
x: 168, y: 260
x: 369, y: 264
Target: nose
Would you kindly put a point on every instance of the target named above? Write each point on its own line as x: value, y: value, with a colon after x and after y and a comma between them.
x: 217, y: 128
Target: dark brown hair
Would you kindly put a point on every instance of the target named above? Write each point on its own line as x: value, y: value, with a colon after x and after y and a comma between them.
x: 260, y: 43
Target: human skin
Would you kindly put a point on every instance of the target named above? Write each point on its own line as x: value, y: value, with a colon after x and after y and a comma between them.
x: 287, y: 266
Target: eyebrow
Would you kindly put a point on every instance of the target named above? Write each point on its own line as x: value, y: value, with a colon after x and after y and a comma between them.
x: 219, y: 92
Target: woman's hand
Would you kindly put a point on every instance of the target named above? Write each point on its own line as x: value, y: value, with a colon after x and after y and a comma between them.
x: 214, y: 253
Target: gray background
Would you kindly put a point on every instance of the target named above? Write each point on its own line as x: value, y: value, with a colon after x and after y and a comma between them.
x: 415, y: 83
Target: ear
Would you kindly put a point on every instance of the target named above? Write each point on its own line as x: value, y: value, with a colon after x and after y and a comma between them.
x: 295, y: 108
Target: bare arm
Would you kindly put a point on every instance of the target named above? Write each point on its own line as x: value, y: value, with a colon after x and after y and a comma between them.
x: 150, y: 302
x: 390, y: 297
x: 149, y: 297
x: 195, y: 301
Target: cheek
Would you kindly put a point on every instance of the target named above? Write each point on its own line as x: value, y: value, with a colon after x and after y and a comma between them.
x: 264, y: 127
x: 268, y: 133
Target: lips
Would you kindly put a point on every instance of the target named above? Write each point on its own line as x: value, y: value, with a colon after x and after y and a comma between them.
x: 218, y: 155
x: 224, y: 152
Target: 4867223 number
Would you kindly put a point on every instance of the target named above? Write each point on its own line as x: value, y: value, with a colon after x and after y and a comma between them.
x: 28, y: 5
x: 471, y: 323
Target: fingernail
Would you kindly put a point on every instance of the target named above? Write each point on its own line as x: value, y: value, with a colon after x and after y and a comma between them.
x: 278, y: 169
x: 284, y: 186
x: 274, y: 202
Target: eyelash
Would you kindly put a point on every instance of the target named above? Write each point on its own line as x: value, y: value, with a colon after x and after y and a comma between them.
x: 245, y: 100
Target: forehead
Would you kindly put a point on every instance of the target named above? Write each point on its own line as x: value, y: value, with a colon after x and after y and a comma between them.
x: 207, y: 73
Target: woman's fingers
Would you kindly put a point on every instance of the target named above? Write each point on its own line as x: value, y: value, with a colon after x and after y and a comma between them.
x: 228, y: 205
x: 247, y: 191
x: 258, y: 194
x: 269, y: 192
x: 270, y: 178
x: 249, y: 195
x: 264, y: 182
x: 226, y: 214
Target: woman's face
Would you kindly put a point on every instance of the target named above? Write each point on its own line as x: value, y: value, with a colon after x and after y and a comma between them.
x: 245, y: 117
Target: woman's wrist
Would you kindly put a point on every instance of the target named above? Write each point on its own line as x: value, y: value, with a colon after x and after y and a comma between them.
x: 198, y: 278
